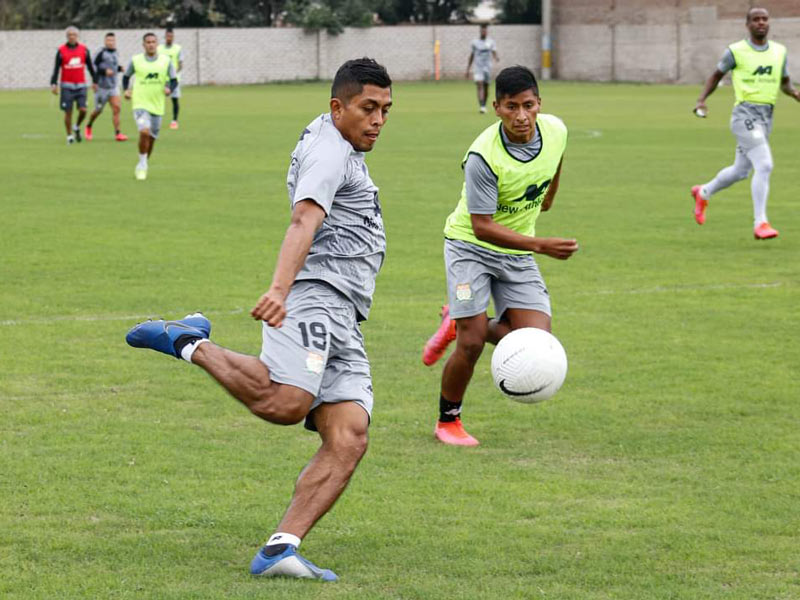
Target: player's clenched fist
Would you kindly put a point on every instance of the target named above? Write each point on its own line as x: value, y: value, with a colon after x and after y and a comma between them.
x: 270, y: 308
x: 560, y: 248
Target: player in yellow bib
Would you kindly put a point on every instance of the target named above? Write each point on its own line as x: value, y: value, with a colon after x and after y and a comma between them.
x: 154, y: 81
x: 511, y: 174
x: 759, y: 72
x: 175, y: 53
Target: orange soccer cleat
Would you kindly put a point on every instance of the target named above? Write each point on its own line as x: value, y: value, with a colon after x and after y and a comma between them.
x: 454, y: 434
x: 765, y: 231
x: 700, y: 205
x: 437, y: 345
x: 121, y: 137
x: 88, y: 133
x: 173, y: 125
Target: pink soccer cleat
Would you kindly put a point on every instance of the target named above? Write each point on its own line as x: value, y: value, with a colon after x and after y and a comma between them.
x: 121, y: 137
x: 765, y: 231
x: 88, y: 133
x: 700, y: 205
x: 453, y: 434
x: 437, y: 345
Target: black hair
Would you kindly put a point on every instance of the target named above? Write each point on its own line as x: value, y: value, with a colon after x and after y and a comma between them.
x: 170, y: 29
x: 148, y: 34
x: 750, y: 12
x: 110, y: 34
x: 353, y: 75
x: 513, y: 80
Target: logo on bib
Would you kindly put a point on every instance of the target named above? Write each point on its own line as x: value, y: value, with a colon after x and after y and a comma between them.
x: 463, y: 292
x: 315, y: 363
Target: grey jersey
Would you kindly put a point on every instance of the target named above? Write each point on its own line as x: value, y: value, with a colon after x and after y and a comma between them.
x: 348, y: 249
x: 481, y: 182
x: 749, y: 110
x: 106, y: 59
x: 482, y: 53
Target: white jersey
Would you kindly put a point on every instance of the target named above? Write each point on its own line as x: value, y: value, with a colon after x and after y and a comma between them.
x: 482, y: 53
x: 349, y: 248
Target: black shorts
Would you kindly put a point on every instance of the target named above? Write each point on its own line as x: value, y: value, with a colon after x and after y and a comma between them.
x: 70, y: 95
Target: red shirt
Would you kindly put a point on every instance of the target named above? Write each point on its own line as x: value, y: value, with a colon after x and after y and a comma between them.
x: 73, y: 62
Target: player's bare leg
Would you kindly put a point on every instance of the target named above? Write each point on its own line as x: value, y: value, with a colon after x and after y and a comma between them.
x: 516, y: 318
x: 114, y: 101
x: 343, y: 429
x: 68, y: 121
x: 247, y: 379
x: 471, y: 334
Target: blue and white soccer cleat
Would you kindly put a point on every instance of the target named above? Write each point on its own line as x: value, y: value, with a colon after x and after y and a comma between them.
x: 161, y: 335
x: 288, y: 564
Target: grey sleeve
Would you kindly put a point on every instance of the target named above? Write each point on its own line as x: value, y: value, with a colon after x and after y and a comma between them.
x: 320, y: 172
x: 171, y: 71
x: 785, y: 67
x: 727, y: 62
x: 481, y: 186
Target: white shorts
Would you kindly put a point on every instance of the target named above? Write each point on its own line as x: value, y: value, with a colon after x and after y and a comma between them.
x: 176, y: 93
x: 482, y: 75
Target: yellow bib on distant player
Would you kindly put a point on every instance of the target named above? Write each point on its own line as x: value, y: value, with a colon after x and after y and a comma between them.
x: 152, y: 77
x: 521, y: 185
x: 757, y: 75
x: 173, y: 51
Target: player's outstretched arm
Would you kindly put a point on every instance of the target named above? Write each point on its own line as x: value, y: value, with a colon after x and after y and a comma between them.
x: 788, y: 89
x: 552, y: 189
x: 307, y: 217
x: 487, y: 229
x: 711, y: 84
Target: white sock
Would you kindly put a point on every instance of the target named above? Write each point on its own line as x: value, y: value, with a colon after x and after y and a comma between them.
x: 188, y: 349
x: 283, y: 538
x: 143, y: 159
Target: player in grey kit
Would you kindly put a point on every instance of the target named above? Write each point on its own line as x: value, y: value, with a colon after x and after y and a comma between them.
x: 312, y: 365
x: 481, y: 52
x: 106, y: 62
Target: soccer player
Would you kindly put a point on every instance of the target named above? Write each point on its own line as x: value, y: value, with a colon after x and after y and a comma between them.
x: 155, y: 79
x: 758, y: 70
x: 481, y: 51
x: 511, y: 173
x: 312, y: 365
x: 175, y: 53
x: 71, y: 60
x: 106, y: 63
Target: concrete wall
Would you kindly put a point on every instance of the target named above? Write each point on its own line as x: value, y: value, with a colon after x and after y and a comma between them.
x: 229, y: 56
x: 651, y: 48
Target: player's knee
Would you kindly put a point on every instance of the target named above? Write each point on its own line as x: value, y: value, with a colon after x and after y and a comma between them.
x: 764, y: 167
x: 350, y: 446
x: 471, y: 346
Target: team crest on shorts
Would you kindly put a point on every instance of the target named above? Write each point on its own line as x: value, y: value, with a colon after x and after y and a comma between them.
x: 463, y: 292
x: 315, y: 363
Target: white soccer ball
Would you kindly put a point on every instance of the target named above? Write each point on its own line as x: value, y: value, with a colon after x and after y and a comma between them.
x: 529, y: 365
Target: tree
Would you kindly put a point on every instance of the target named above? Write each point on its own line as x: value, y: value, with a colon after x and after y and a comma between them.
x: 520, y: 11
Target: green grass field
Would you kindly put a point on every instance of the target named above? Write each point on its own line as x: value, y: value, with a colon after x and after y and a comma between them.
x: 666, y: 467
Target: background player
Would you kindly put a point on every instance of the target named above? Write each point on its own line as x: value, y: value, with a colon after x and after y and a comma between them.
x: 511, y: 173
x: 481, y: 51
x: 106, y: 62
x: 313, y: 365
x: 175, y: 53
x: 155, y: 79
x: 71, y: 60
x: 758, y: 72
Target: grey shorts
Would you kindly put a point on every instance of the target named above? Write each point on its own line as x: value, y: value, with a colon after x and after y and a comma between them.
x: 474, y: 274
x: 147, y: 120
x: 319, y: 348
x: 103, y: 95
x: 482, y: 75
x: 751, y: 126
x: 176, y: 93
x: 70, y: 96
